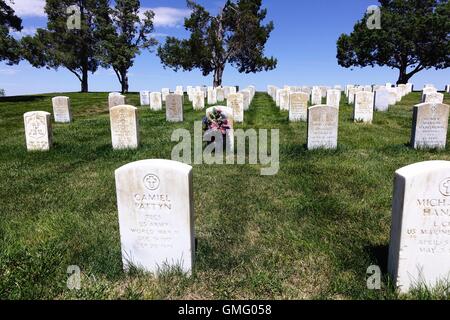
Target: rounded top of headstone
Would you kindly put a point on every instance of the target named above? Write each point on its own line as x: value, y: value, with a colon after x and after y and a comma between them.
x: 60, y: 97
x: 123, y: 106
x: 159, y: 164
x: 423, y: 168
x: 322, y: 106
x: 44, y: 113
x: 428, y: 104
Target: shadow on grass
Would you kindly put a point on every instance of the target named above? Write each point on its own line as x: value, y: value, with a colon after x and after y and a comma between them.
x: 22, y: 98
x: 380, y: 255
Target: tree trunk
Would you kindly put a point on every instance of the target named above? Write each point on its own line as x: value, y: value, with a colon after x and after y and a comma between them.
x: 124, y: 81
x: 84, y: 80
x: 85, y: 57
x: 218, y: 75
x: 404, y: 77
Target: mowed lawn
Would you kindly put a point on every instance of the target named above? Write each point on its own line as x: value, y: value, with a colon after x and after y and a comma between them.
x: 309, y: 232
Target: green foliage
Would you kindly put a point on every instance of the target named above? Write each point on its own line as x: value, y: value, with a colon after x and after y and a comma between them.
x: 122, y: 36
x: 57, y: 46
x: 414, y: 36
x: 236, y: 36
x: 9, y: 47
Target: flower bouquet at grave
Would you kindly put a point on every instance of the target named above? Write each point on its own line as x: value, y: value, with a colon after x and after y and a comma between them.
x: 215, y: 121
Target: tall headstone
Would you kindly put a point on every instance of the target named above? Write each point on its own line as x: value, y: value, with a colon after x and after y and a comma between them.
x: 322, y: 127
x: 298, y: 109
x: 174, y: 108
x: 419, y: 246
x: 284, y: 100
x: 124, y: 127
x: 156, y: 215
x: 333, y: 98
x: 246, y: 96
x: 61, y: 109
x: 381, y: 99
x: 144, y: 98
x: 236, y: 103
x: 220, y: 94
x: 392, y: 99
x: 316, y: 97
x: 38, y: 130
x: 155, y: 101
x: 212, y: 98
x: 363, y: 109
x: 430, y: 124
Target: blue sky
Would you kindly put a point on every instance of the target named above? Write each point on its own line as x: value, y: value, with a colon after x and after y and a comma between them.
x: 304, y: 41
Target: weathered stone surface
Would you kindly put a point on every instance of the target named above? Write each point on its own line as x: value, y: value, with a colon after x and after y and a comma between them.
x: 236, y: 103
x: 430, y: 124
x: 124, y: 127
x: 333, y: 98
x: 38, y: 130
x: 61, y: 109
x: 156, y: 215
x: 156, y: 101
x: 419, y: 248
x: 363, y: 110
x: 298, y: 109
x: 174, y: 108
x: 322, y: 127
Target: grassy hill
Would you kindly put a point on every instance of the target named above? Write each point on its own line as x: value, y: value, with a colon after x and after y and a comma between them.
x: 309, y: 232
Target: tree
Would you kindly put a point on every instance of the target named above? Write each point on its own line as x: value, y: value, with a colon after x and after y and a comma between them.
x: 58, y: 46
x: 236, y: 36
x: 9, y: 47
x: 414, y: 36
x: 123, y: 35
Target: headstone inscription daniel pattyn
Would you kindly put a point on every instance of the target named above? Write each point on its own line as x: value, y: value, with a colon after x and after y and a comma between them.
x: 61, y: 109
x: 323, y: 127
x: 38, y: 130
x: 124, y: 127
x: 430, y: 124
x: 156, y: 215
x: 419, y: 248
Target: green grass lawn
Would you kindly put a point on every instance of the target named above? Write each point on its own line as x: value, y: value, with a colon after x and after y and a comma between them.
x: 309, y: 232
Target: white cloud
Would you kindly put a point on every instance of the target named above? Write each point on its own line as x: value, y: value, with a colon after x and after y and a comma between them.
x: 8, y: 72
x: 168, y: 17
x: 27, y: 31
x: 28, y: 8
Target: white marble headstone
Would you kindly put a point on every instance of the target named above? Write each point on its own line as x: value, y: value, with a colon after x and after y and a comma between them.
x: 434, y: 97
x: 144, y: 98
x: 430, y: 124
x: 155, y: 101
x: 298, y: 109
x: 116, y: 99
x: 174, y: 108
x: 236, y: 103
x: 124, y: 127
x: 61, y: 109
x: 156, y: 215
x: 419, y: 248
x: 381, y: 99
x: 333, y: 98
x: 322, y: 127
x: 38, y: 130
x: 363, y: 109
